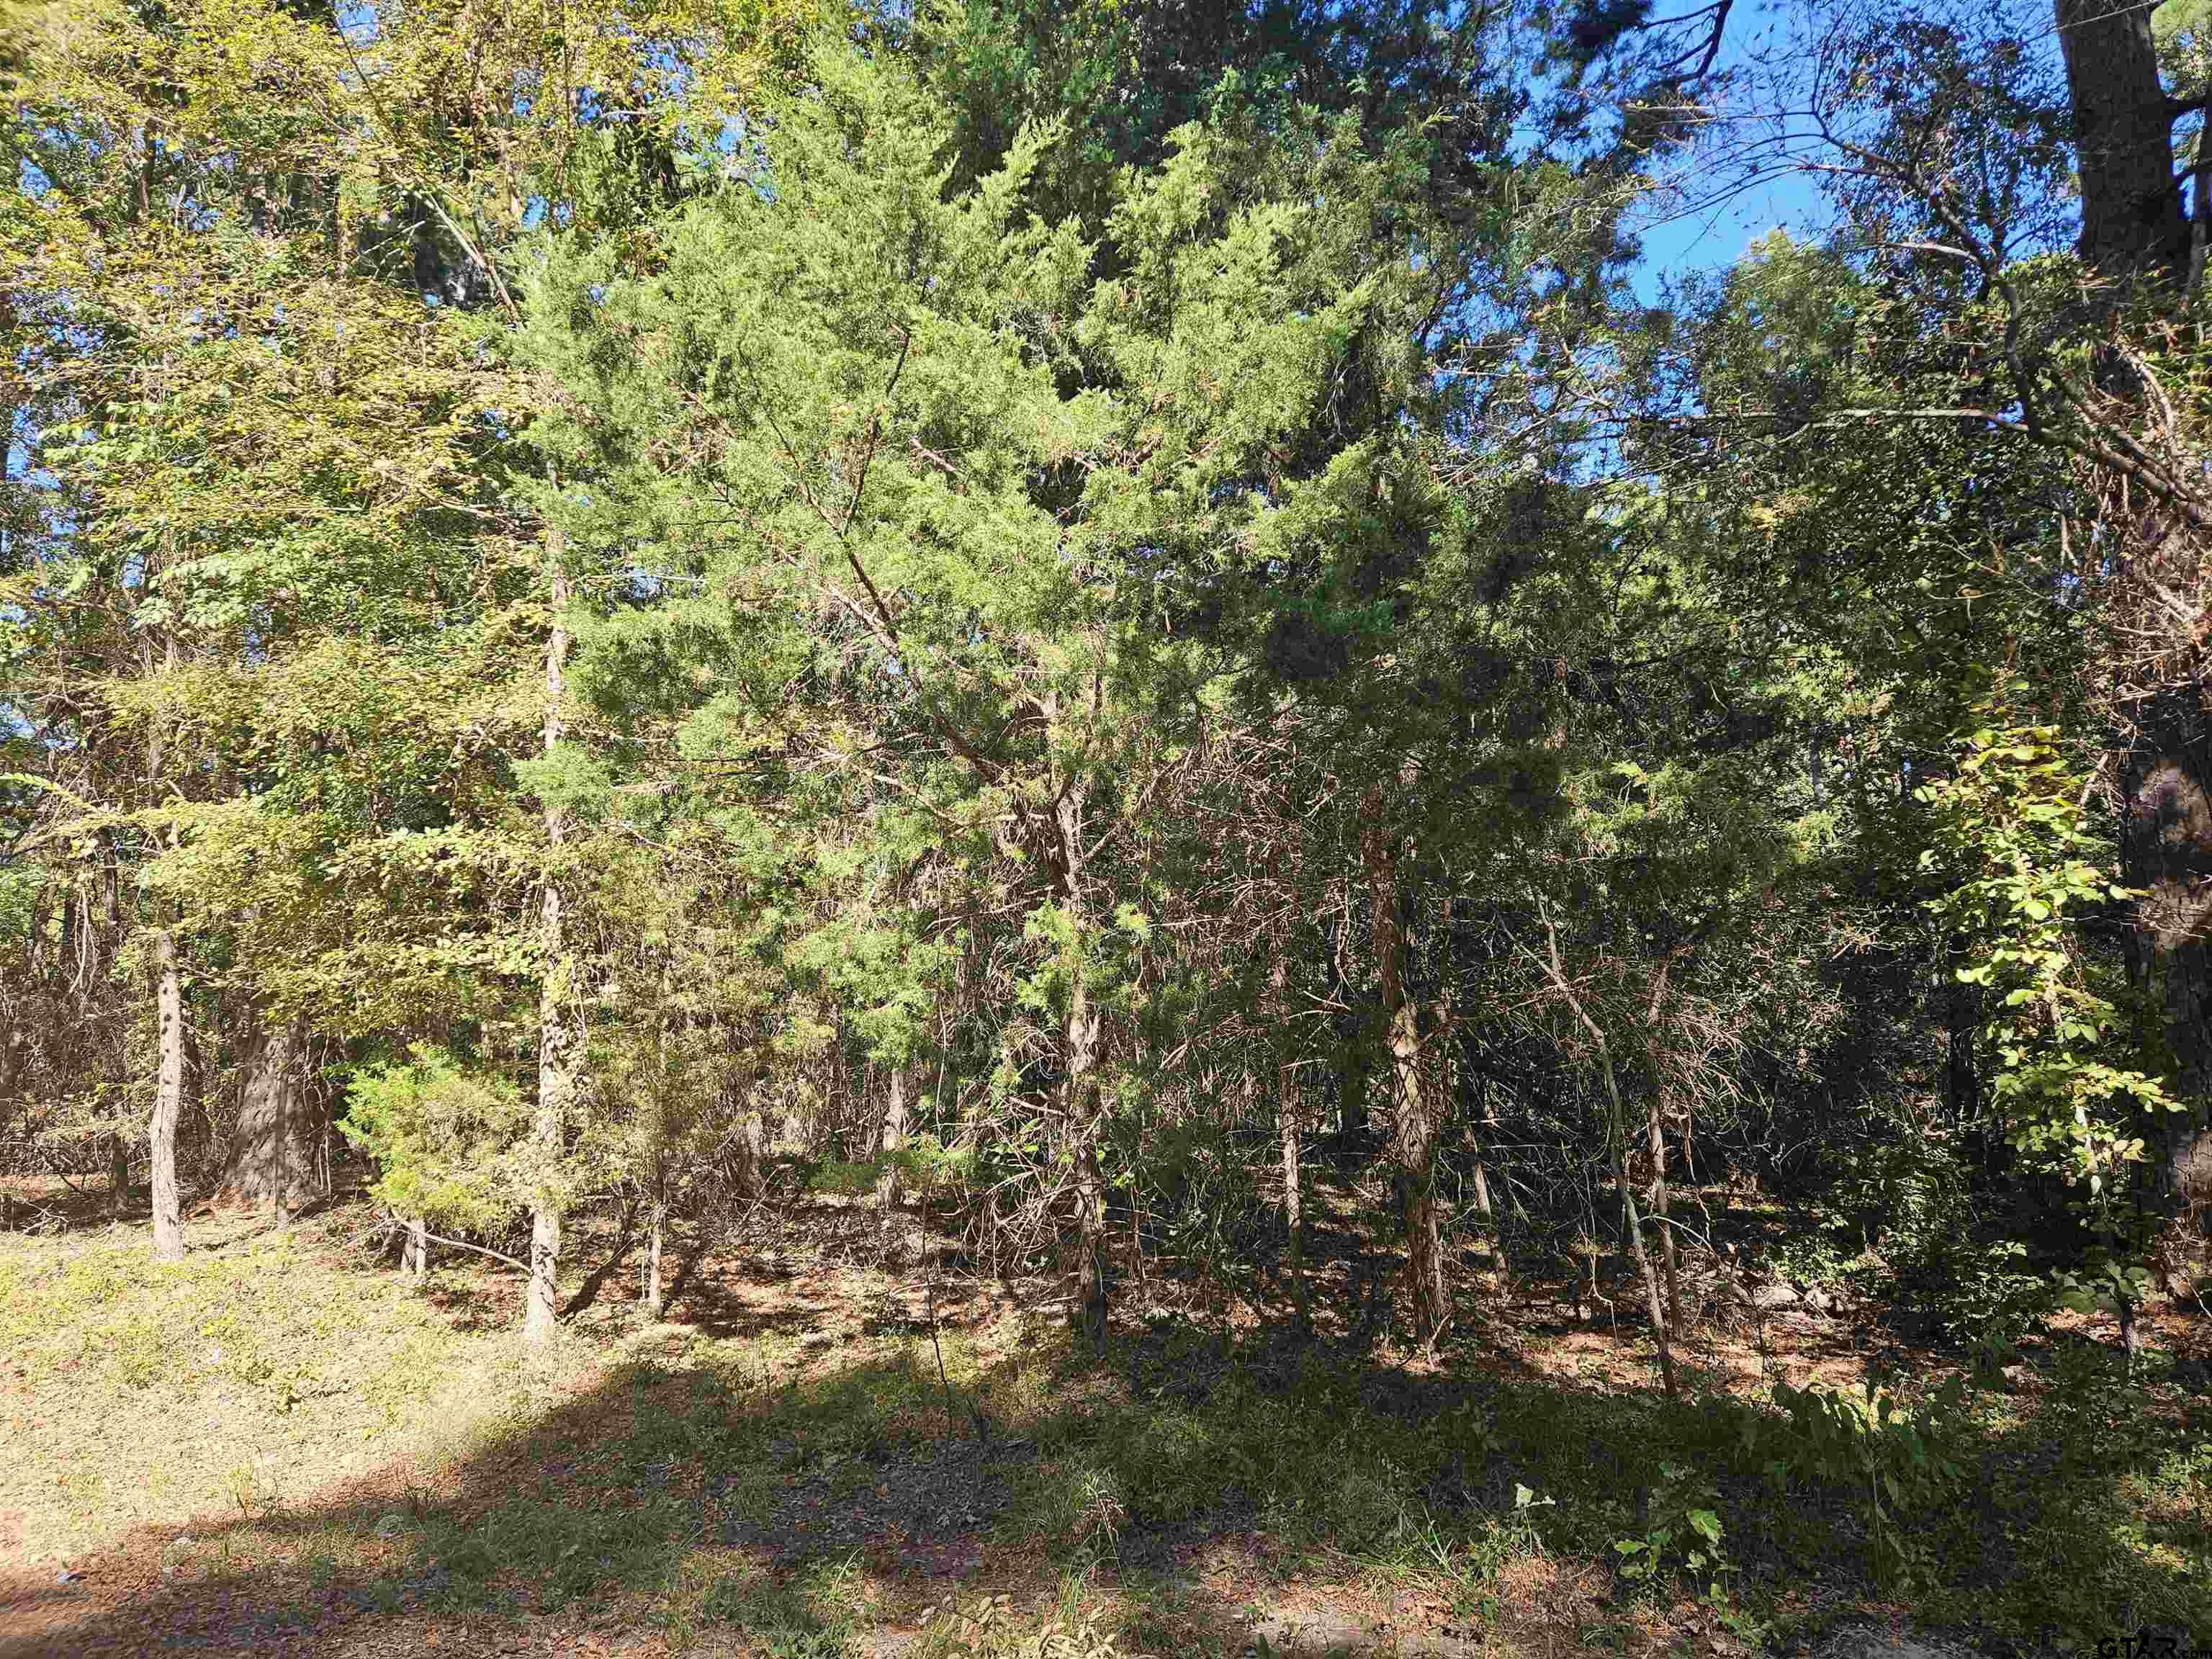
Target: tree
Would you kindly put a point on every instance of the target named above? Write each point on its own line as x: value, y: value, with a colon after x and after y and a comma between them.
x: 2131, y: 218
x: 940, y: 498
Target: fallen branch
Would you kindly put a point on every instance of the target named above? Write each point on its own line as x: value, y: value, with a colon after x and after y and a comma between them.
x: 463, y: 1244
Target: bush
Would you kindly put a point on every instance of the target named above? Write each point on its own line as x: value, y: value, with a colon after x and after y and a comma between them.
x: 1895, y: 1462
x: 926, y: 1166
x: 443, y: 1138
x: 1932, y: 1251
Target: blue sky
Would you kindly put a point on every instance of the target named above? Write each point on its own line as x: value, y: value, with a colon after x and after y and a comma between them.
x: 1770, y: 44
x: 1712, y: 234
x: 1714, y: 238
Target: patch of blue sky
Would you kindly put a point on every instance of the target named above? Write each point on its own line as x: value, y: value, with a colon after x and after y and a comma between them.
x: 1696, y: 237
x: 358, y: 20
x: 1761, y: 168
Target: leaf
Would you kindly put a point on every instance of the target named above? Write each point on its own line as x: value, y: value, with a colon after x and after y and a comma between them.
x: 1707, y: 1525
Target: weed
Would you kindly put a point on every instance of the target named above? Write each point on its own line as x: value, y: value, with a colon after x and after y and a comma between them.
x: 1683, y: 1525
x: 811, y: 1617
x: 639, y: 1483
x: 990, y: 1629
x: 1898, y: 1462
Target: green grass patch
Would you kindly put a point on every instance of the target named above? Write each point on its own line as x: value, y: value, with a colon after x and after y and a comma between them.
x: 743, y: 1485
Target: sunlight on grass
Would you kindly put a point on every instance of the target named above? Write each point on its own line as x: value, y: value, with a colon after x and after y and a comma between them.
x: 809, y: 1496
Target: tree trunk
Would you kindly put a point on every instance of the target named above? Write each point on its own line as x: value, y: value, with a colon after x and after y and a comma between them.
x: 118, y: 1175
x: 1660, y: 1324
x: 2131, y: 219
x: 272, y: 1159
x: 892, y: 1138
x: 1656, y: 1140
x: 1288, y: 1128
x: 2169, y: 836
x: 169, y: 1012
x: 1494, y: 1247
x: 1091, y: 1244
x: 1417, y: 1127
x: 652, y: 1250
x: 168, y: 1099
x: 661, y: 1085
x: 556, y: 1081
x: 1080, y: 1029
x: 415, y: 1253
x: 1079, y: 1036
x: 1351, y: 1114
x: 1294, y: 1209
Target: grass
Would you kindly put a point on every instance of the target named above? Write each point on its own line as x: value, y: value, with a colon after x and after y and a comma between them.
x: 331, y: 1449
x: 261, y: 1372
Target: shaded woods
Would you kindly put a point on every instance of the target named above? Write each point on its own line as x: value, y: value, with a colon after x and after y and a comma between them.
x: 1172, y: 659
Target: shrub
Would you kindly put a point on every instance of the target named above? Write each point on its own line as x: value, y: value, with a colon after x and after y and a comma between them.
x: 443, y: 1138
x: 1895, y: 1462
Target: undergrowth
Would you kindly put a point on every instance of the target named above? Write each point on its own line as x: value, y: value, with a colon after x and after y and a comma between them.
x: 701, y: 1482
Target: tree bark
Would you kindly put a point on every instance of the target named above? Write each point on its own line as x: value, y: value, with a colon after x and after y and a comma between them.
x: 2131, y: 218
x: 1656, y: 1140
x: 892, y: 1138
x: 1091, y: 1244
x: 1352, y: 1117
x: 2169, y: 836
x: 272, y: 1157
x: 1289, y: 1128
x: 169, y: 1018
x: 415, y: 1253
x: 1658, y: 1308
x: 1416, y: 1126
x: 1660, y: 1325
x: 1079, y: 1035
x: 118, y: 1175
x: 168, y: 1099
x: 1294, y: 1208
x: 1493, y: 1245
x: 652, y: 1250
x: 556, y: 1082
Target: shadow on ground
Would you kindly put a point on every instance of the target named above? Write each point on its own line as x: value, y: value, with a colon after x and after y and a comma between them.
x: 811, y: 1466
x: 745, y: 1497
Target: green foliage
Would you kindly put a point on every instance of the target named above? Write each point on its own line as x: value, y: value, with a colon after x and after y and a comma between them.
x: 809, y: 1618
x: 2107, y: 1285
x: 1906, y: 1222
x: 1683, y: 1530
x: 924, y: 1165
x: 442, y: 1135
x: 2027, y: 869
x: 2012, y: 825
x: 1896, y: 1461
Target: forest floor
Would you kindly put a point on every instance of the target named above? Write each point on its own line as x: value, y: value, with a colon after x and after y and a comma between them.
x: 275, y: 1448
